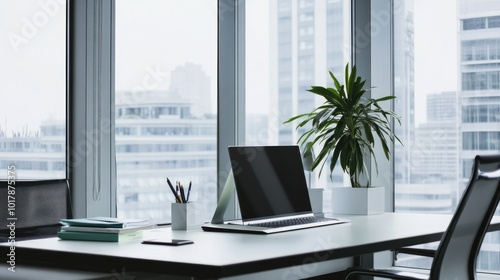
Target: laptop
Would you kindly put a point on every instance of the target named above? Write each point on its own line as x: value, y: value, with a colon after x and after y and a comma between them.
x: 272, y: 192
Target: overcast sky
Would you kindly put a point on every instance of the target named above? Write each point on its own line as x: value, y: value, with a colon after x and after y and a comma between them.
x: 165, y: 34
x: 32, y: 63
x: 436, y: 30
x: 32, y: 50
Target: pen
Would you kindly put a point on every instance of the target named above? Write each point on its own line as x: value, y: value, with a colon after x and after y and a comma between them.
x: 183, y: 197
x: 189, y: 191
x: 173, y: 191
x: 177, y: 190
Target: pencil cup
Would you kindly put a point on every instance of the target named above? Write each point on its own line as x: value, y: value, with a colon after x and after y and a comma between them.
x: 186, y: 215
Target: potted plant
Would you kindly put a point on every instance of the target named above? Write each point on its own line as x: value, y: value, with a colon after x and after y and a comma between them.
x: 346, y: 126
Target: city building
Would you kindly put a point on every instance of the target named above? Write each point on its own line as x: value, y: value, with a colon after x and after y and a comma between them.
x: 436, y: 149
x: 157, y: 136
x: 479, y: 79
x: 311, y: 39
x: 404, y: 88
x: 479, y: 96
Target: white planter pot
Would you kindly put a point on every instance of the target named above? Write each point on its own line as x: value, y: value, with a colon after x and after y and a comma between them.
x: 360, y: 201
x: 316, y: 197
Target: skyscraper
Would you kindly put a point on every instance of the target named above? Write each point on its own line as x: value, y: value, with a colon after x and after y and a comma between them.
x: 435, y: 156
x: 479, y: 95
x: 479, y: 77
x: 307, y: 31
x: 404, y: 87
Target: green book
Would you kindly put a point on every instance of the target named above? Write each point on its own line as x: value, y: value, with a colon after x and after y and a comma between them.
x: 97, y: 236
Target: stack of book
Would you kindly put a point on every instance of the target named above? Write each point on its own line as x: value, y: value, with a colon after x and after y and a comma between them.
x: 102, y: 229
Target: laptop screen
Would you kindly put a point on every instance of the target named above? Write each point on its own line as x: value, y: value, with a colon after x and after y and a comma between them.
x: 269, y: 181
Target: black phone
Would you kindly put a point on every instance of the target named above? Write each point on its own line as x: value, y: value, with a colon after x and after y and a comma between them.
x: 169, y: 242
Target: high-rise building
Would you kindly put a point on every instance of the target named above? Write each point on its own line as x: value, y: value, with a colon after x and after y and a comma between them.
x: 479, y: 77
x: 307, y: 32
x: 435, y: 156
x: 157, y: 137
x: 190, y: 83
x: 165, y: 133
x: 434, y: 168
x: 404, y: 88
x: 479, y: 96
x: 36, y: 154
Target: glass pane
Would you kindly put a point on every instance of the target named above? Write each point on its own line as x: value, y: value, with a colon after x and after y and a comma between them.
x: 165, y: 107
x: 494, y: 22
x: 447, y: 99
x: 290, y: 46
x: 33, y: 91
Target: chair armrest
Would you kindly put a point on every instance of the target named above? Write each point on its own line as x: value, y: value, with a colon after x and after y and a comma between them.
x: 414, y: 251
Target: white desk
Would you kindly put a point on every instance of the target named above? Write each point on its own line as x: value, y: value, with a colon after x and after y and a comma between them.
x: 219, y: 255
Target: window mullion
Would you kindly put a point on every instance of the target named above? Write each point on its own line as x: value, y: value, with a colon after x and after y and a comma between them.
x: 91, y: 99
x: 230, y: 88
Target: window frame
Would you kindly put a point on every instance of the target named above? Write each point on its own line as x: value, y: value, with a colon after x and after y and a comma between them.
x: 90, y: 114
x: 90, y: 57
x: 90, y: 75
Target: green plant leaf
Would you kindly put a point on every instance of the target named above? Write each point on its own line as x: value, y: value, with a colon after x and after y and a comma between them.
x: 346, y: 126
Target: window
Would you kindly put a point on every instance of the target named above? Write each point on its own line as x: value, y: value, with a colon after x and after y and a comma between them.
x: 494, y: 22
x: 481, y: 80
x: 448, y: 116
x: 481, y: 49
x: 165, y: 104
x: 474, y: 23
x: 481, y: 113
x: 284, y: 59
x: 481, y: 141
x: 33, y: 79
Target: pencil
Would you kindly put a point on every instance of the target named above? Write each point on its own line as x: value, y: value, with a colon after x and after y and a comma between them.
x: 183, y: 197
x: 173, y: 191
x: 189, y: 191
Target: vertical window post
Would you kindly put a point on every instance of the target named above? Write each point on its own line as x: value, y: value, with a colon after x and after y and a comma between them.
x: 231, y: 86
x: 90, y: 54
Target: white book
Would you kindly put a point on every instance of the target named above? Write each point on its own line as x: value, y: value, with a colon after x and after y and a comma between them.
x: 106, y: 230
x: 126, y: 222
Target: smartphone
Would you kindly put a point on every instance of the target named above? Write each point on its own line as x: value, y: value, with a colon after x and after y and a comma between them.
x: 169, y: 242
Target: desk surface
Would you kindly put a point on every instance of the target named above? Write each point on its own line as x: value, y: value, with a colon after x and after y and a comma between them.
x: 216, y: 254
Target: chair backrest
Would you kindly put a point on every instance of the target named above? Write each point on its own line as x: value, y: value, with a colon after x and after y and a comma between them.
x: 457, y: 253
x: 35, y: 203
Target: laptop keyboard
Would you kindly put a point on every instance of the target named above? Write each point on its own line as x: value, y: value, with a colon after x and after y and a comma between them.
x: 293, y: 222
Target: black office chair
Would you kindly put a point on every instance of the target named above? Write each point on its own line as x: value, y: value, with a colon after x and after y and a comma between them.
x: 37, y: 206
x: 455, y: 257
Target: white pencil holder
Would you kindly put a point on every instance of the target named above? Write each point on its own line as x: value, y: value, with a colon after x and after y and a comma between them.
x: 186, y: 215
